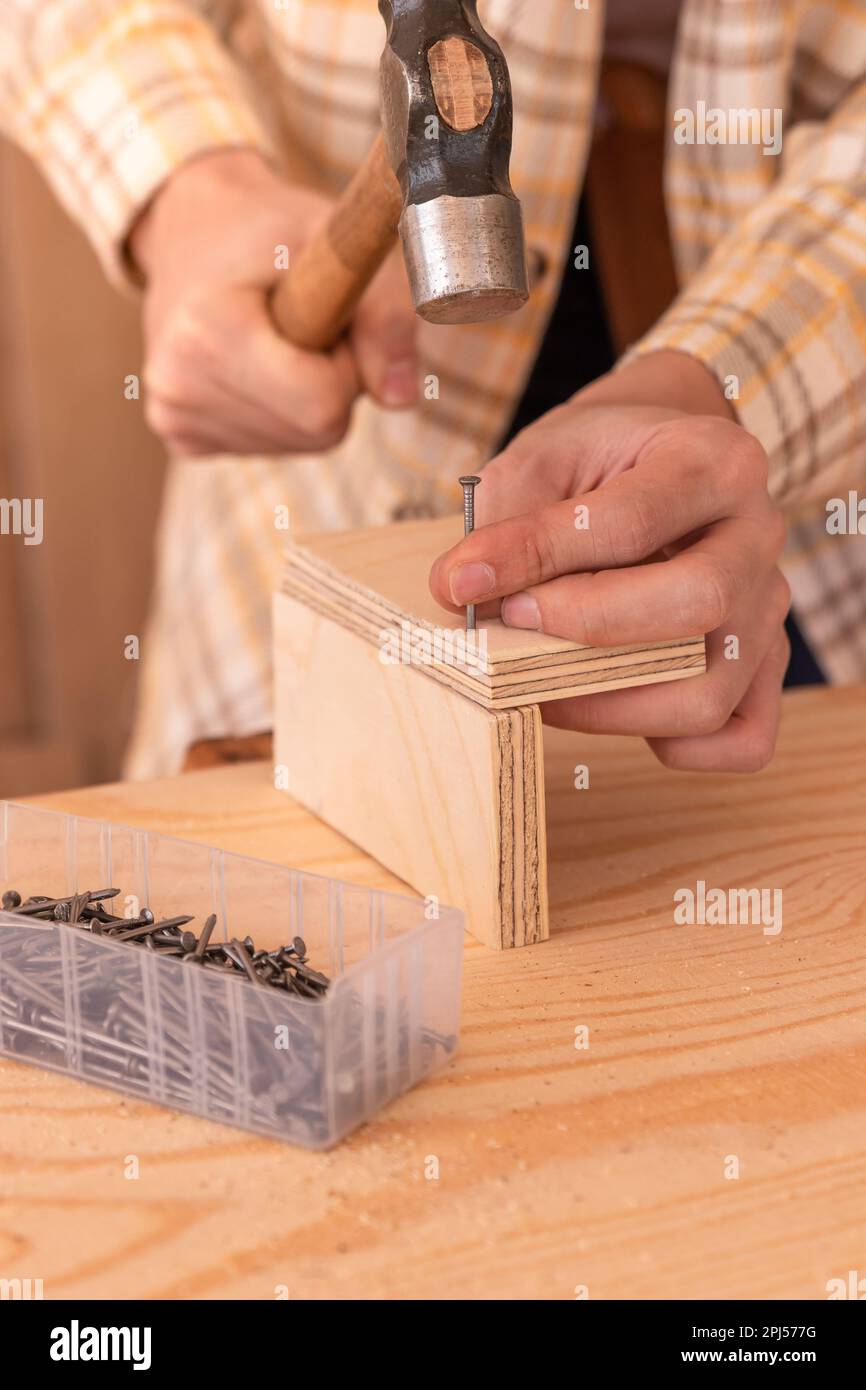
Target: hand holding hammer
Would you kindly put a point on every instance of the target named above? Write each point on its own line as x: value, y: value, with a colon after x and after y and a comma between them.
x: 438, y: 175
x: 234, y: 359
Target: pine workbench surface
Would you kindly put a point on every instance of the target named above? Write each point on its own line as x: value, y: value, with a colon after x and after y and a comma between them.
x: 559, y: 1167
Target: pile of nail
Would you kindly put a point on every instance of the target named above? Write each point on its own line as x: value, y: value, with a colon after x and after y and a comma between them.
x: 258, y: 1058
x: 287, y: 968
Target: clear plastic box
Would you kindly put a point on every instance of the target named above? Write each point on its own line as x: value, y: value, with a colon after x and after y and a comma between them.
x: 307, y: 1071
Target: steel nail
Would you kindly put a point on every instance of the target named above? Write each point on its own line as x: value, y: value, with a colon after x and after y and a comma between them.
x: 469, y: 484
x: 241, y: 955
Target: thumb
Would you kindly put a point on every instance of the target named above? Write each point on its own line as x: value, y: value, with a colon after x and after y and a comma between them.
x: 383, y: 338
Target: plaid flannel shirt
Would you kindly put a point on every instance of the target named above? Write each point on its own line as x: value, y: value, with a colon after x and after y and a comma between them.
x: 109, y: 96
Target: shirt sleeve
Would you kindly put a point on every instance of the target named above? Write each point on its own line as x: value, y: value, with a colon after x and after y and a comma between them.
x: 778, y: 312
x: 109, y: 97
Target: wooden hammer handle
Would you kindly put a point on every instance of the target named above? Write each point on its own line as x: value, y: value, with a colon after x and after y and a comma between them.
x: 315, y: 300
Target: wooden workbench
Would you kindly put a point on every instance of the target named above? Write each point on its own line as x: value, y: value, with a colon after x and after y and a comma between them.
x: 558, y: 1167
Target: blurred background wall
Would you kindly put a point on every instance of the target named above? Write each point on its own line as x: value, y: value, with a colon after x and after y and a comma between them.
x: 69, y: 436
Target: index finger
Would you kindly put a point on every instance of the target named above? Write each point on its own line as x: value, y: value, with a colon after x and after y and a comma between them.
x: 625, y: 521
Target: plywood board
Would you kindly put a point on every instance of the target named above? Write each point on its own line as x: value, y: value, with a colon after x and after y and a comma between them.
x: 374, y: 583
x: 446, y: 794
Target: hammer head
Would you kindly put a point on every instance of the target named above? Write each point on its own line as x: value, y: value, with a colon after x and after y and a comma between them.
x: 447, y: 120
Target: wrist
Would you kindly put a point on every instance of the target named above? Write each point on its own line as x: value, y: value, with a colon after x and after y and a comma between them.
x: 665, y: 378
x: 183, y: 203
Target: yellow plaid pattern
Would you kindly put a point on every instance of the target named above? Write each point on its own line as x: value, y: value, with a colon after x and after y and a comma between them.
x: 109, y: 96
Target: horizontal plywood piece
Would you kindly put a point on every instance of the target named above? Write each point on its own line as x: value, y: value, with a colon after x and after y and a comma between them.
x: 374, y: 584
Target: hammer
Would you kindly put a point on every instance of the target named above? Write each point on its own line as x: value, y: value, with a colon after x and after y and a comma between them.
x: 437, y: 174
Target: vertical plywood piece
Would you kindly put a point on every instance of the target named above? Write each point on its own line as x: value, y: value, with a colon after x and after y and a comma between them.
x: 446, y: 794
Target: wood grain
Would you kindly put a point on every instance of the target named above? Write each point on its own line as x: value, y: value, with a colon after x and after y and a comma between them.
x: 558, y: 1167
x: 375, y: 581
x: 462, y: 84
x: 432, y: 766
x: 448, y: 795
x: 314, y: 302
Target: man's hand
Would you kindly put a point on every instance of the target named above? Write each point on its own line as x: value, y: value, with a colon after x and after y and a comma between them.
x: 679, y: 538
x: 218, y: 376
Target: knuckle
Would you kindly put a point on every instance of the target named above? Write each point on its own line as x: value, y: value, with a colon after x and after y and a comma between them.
x: 712, y: 596
x: 775, y: 532
x: 182, y: 354
x: 158, y: 376
x: 328, y: 422
x: 588, y: 621
x: 637, y: 533
x: 670, y: 753
x: 538, y: 549
x: 159, y: 416
x: 710, y: 708
x: 747, y: 465
x: 183, y: 446
x: 757, y: 750
x: 187, y: 339
x: 592, y: 618
x: 171, y: 427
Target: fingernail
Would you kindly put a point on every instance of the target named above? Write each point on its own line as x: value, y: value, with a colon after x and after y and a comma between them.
x: 469, y: 583
x: 521, y: 610
x: 399, y: 387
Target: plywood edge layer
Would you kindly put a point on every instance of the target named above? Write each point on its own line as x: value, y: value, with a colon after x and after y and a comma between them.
x: 305, y: 568
x: 533, y: 680
x: 532, y: 923
x: 523, y: 903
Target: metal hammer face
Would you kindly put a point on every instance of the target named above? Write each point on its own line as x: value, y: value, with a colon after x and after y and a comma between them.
x: 447, y: 120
